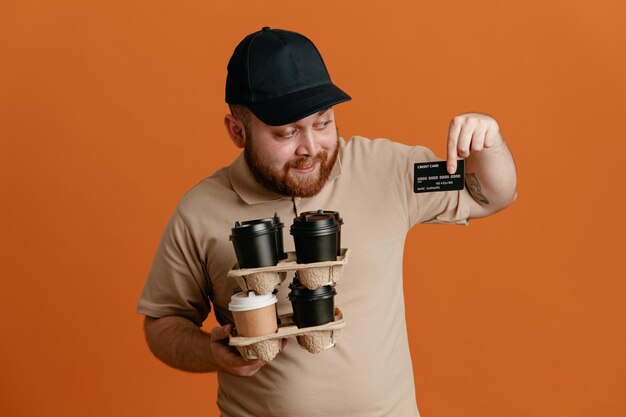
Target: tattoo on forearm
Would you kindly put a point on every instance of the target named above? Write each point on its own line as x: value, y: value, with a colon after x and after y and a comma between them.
x: 473, y: 186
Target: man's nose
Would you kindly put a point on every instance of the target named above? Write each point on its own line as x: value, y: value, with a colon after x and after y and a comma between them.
x: 307, y: 145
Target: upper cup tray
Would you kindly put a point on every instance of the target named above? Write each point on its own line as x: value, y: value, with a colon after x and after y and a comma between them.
x: 313, y: 275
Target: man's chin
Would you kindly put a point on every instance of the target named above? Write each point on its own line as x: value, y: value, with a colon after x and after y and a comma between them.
x: 300, y: 183
x: 305, y: 185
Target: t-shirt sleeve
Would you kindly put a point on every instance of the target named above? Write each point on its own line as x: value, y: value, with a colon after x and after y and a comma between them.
x: 177, y: 284
x: 447, y: 207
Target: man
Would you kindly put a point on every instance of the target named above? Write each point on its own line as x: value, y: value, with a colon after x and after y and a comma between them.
x: 281, y: 100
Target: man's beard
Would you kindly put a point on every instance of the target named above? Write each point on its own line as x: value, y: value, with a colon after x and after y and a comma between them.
x: 283, y: 183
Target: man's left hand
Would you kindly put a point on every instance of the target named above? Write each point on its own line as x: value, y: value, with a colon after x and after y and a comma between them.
x: 470, y: 132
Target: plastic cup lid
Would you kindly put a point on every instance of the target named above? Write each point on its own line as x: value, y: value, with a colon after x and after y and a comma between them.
x: 300, y: 291
x: 274, y: 220
x: 307, y: 223
x: 250, y: 301
x: 251, y: 229
x: 334, y: 213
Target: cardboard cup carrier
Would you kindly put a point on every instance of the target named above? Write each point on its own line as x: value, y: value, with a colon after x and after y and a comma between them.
x: 318, y: 263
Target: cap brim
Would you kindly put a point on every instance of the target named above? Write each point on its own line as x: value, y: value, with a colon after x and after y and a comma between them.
x: 298, y: 105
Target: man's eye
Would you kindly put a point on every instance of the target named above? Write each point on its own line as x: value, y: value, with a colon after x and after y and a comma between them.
x: 323, y: 124
x: 289, y: 134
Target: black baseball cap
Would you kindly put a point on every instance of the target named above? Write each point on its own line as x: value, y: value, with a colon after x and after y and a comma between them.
x: 281, y: 77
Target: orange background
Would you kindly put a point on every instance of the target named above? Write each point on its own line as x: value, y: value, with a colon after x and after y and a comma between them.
x: 111, y: 110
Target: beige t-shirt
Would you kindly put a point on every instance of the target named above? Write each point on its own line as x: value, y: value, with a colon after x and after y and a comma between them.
x: 368, y: 372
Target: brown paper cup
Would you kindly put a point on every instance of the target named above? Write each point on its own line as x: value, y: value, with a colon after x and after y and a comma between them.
x: 254, y: 315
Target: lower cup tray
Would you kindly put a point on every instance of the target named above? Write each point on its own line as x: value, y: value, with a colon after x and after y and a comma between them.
x: 314, y: 275
x: 314, y: 339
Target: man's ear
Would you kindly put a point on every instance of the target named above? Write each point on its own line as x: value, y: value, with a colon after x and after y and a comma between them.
x: 235, y: 130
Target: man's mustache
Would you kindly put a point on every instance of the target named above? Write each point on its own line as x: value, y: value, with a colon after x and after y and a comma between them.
x: 307, y: 161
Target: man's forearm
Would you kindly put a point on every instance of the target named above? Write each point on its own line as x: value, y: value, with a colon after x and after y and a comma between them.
x: 179, y: 343
x: 491, y: 179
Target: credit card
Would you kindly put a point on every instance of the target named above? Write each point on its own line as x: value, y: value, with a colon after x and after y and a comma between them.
x: 431, y: 177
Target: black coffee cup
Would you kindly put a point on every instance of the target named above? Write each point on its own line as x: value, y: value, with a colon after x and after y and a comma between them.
x: 339, y: 221
x: 315, y: 237
x: 278, y: 230
x: 255, y: 244
x: 312, y: 307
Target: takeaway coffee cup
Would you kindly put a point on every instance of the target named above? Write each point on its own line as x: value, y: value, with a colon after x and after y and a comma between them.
x: 254, y: 315
x: 255, y: 244
x: 315, y: 237
x: 312, y: 307
x: 278, y: 230
x: 339, y: 221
